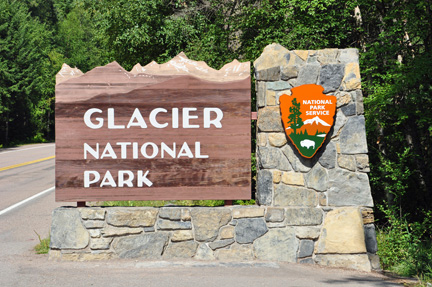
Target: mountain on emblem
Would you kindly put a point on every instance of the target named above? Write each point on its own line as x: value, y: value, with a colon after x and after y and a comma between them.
x: 316, y: 120
x: 308, y: 116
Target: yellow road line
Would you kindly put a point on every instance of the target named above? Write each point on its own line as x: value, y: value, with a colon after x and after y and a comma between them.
x: 26, y: 163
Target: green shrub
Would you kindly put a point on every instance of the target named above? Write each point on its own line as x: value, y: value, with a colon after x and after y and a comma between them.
x: 43, y: 246
x: 403, y: 247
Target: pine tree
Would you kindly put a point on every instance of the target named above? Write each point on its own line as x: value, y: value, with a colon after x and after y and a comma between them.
x: 294, y: 120
x: 24, y: 71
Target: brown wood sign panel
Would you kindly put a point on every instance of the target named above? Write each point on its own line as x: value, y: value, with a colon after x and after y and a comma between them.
x: 179, y: 130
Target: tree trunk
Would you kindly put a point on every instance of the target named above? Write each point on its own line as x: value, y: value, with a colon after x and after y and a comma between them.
x: 7, y: 131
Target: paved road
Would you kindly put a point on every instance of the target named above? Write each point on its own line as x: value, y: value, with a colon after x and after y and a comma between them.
x: 18, y: 227
x: 19, y: 183
x: 20, y: 266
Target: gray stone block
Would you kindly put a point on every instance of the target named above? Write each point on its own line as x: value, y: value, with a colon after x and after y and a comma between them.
x: 353, y: 136
x: 249, y: 229
x: 182, y: 235
x: 370, y: 238
x: 261, y: 94
x: 132, y: 217
x: 269, y: 120
x: 351, y: 261
x: 308, y: 74
x: 275, y: 214
x: 163, y: 224
x: 375, y: 262
x: 289, y: 72
x: 343, y: 98
x: 331, y: 77
x: 328, y: 56
x: 278, y: 86
x: 221, y: 243
x: 317, y: 178
x: 308, y: 232
x: 236, y: 252
x: 94, y: 233
x: 348, y: 188
x: 286, y: 195
x: 100, y: 243
x: 312, y: 59
x: 349, y: 110
x: 185, y: 249
x: 274, y: 55
x: 171, y: 213
x: 270, y: 157
x: 208, y: 221
x: 204, y: 253
x: 347, y: 162
x: 327, y: 157
x: 93, y: 224
x: 92, y: 213
x: 303, y: 216
x: 359, y: 102
x: 146, y: 246
x: 67, y: 230
x: 271, y: 74
x: 306, y: 248
x: 110, y: 231
x: 298, y: 61
x: 350, y: 55
x: 362, y: 162
x: 277, y: 245
x: 340, y: 121
x: 227, y: 232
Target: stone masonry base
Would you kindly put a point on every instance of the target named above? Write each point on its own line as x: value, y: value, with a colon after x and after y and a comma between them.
x: 340, y: 237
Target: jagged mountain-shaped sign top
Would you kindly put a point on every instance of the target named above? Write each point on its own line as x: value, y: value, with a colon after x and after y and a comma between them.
x: 112, y: 78
x: 179, y: 65
x: 182, y: 65
x: 308, y: 116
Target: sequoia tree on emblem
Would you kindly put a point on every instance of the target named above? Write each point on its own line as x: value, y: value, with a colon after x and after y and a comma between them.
x: 308, y: 116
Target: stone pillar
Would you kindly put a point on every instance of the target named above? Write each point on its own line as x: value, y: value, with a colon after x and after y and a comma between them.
x: 329, y: 191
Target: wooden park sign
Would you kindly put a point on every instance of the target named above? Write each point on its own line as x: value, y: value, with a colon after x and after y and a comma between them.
x: 308, y: 116
x: 178, y: 130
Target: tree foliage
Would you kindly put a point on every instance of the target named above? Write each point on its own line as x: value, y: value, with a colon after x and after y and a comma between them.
x: 397, y: 67
x: 25, y: 85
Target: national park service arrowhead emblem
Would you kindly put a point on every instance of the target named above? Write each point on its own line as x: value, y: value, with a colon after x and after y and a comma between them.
x: 308, y: 116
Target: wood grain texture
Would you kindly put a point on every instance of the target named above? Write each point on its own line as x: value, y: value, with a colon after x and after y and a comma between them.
x: 225, y: 174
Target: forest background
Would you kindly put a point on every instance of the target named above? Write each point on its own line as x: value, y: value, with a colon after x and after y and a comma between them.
x: 394, y: 39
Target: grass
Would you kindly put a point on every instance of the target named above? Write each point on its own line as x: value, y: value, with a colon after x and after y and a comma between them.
x: 159, y: 203
x: 43, y: 246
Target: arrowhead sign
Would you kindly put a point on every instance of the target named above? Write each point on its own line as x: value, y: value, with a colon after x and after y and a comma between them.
x: 308, y: 116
